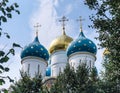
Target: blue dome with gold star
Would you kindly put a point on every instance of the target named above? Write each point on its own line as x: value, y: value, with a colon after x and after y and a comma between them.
x: 82, y: 44
x: 35, y: 49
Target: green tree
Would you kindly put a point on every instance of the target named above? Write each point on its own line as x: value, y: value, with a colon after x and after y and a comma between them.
x: 110, y: 83
x: 6, y: 11
x: 82, y: 80
x: 28, y: 85
x: 106, y: 22
x: 65, y: 81
x: 106, y: 19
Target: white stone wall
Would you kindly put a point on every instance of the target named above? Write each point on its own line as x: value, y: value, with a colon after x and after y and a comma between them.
x: 82, y: 57
x: 34, y: 65
x: 58, y: 62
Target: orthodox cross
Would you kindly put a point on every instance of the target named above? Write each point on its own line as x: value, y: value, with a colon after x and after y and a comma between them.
x: 37, y: 26
x: 80, y: 20
x: 63, y: 19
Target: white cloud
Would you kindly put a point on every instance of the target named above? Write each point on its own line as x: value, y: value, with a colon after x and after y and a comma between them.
x: 56, y: 2
x: 46, y: 15
x: 68, y: 9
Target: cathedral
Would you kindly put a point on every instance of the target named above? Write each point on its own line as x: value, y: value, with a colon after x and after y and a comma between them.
x: 36, y: 59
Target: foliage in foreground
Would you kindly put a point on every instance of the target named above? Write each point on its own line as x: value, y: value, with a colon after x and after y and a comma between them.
x: 28, y: 85
x: 6, y: 12
x: 83, y: 80
x: 106, y: 21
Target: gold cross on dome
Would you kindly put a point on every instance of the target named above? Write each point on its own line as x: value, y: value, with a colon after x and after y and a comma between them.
x: 63, y: 20
x: 37, y: 26
x: 80, y: 20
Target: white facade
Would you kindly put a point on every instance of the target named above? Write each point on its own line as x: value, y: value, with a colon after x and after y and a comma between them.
x: 78, y: 58
x: 34, y: 65
x: 58, y: 62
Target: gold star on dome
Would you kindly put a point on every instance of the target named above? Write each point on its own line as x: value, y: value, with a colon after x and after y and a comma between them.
x: 79, y: 41
x: 32, y: 47
x: 42, y: 49
x: 27, y: 51
x: 90, y: 42
x: 74, y: 46
x: 84, y: 44
x: 94, y: 47
x: 36, y: 51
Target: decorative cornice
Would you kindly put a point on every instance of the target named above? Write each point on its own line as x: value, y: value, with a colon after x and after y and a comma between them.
x: 32, y: 57
x: 76, y: 53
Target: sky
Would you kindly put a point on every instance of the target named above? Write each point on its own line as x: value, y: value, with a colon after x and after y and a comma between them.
x: 47, y: 13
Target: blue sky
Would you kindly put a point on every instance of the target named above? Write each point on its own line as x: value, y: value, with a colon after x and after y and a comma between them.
x: 47, y: 13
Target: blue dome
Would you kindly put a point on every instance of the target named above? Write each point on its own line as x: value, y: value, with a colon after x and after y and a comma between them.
x: 81, y: 44
x: 35, y: 49
x: 48, y: 71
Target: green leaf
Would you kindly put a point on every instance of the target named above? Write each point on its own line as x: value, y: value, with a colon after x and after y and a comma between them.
x: 4, y: 59
x: 7, y: 36
x: 12, y: 7
x: 11, y: 80
x: 6, y: 0
x: 3, y: 11
x: 2, y: 53
x: 16, y: 5
x: 2, y: 82
x: 6, y: 69
x: 3, y: 3
x: 17, y: 11
x: 5, y: 91
x: 3, y: 19
x: 0, y: 34
x: 16, y: 45
x: 0, y: 71
x: 8, y: 9
x: 9, y: 15
x: 1, y: 67
x: 12, y: 51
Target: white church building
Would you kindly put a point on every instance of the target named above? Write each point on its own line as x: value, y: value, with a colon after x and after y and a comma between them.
x: 36, y: 59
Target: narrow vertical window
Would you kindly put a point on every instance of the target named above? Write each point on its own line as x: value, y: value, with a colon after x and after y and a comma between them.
x: 60, y: 69
x: 90, y: 64
x: 28, y: 68
x: 38, y: 69
x: 86, y: 60
x: 73, y: 64
x: 80, y: 62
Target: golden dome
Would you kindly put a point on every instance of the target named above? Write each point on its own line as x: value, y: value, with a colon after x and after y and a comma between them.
x: 60, y: 43
x: 106, y: 52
